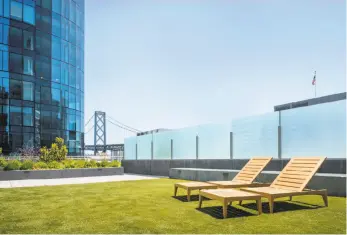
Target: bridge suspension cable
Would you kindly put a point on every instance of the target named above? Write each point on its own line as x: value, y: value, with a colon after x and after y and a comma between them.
x: 122, y: 124
x: 89, y: 130
x: 89, y: 120
x: 125, y: 128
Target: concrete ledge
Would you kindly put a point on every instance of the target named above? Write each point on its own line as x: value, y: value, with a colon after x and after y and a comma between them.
x: 162, y: 167
x: 56, y: 174
x: 334, y: 183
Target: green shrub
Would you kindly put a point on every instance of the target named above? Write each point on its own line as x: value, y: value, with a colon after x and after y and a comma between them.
x: 69, y: 163
x: 3, y: 162
x: 104, y: 163
x: 12, y: 165
x: 80, y: 163
x: 57, y: 152
x: 90, y: 164
x: 40, y: 165
x: 114, y: 163
x: 55, y: 165
x: 27, y: 165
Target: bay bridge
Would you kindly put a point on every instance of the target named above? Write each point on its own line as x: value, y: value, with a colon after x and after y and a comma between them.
x: 98, y: 129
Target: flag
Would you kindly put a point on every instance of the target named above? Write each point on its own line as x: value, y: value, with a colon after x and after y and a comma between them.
x: 314, y: 79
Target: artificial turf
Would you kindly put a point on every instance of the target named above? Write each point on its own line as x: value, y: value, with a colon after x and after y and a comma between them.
x: 147, y: 206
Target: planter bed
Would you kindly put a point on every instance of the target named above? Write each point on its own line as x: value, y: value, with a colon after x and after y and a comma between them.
x: 56, y: 174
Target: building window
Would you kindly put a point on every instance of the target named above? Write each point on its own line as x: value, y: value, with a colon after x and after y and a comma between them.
x: 56, y: 120
x: 78, y: 102
x: 43, y: 67
x: 72, y: 100
x: 43, y: 20
x: 65, y: 51
x: 15, y: 89
x: 16, y: 63
x: 47, y: 4
x: 56, y: 6
x: 72, y: 33
x: 29, y: 15
x: 28, y: 40
x: 72, y: 72
x: 28, y: 139
x: 55, y: 97
x: 65, y: 8
x: 28, y: 65
x: 15, y: 116
x: 4, y: 117
x: 16, y: 141
x: 64, y: 29
x: 56, y: 48
x: 46, y: 95
x: 15, y: 37
x: 4, y: 88
x: 64, y: 73
x: 65, y: 99
x: 56, y: 25
x: 16, y: 10
x: 72, y: 55
x: 56, y: 71
x: 46, y: 119
x: 72, y: 123
x: 28, y: 91
x: 43, y: 43
x: 28, y: 116
x: 73, y: 11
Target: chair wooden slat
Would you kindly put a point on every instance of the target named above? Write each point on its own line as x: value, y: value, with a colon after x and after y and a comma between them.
x: 252, y: 169
x: 292, y: 169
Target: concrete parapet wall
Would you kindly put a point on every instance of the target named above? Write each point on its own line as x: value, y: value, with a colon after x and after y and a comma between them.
x: 162, y: 167
x: 66, y: 173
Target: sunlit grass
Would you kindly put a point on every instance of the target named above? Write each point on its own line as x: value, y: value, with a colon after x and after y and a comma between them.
x: 147, y: 206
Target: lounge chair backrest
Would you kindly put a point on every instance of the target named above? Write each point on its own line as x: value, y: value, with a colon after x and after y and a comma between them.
x: 252, y: 169
x: 297, y: 173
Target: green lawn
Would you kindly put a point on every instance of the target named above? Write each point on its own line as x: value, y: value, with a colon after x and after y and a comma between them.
x: 147, y: 206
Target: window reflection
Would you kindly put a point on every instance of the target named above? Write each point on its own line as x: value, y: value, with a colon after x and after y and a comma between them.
x: 28, y: 40
x: 28, y: 116
x: 15, y: 116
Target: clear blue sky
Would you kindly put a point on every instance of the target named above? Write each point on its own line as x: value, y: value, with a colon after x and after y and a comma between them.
x: 176, y: 63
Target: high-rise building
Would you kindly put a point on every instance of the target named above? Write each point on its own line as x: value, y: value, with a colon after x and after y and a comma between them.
x: 41, y: 73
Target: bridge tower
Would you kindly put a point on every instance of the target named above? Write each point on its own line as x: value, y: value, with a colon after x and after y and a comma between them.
x: 99, y: 130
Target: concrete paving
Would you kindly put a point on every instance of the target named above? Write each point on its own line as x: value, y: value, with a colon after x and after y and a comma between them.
x: 79, y: 180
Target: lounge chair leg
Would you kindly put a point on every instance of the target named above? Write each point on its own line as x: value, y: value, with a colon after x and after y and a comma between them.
x: 225, y: 209
x: 175, y: 191
x: 290, y: 198
x: 325, y: 198
x: 271, y: 204
x: 259, y: 206
x: 200, y: 201
x: 240, y: 202
x: 188, y: 195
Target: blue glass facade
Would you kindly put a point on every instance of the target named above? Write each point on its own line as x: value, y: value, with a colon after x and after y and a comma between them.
x: 41, y: 73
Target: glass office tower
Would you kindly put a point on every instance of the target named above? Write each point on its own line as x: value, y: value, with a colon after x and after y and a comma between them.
x: 41, y: 73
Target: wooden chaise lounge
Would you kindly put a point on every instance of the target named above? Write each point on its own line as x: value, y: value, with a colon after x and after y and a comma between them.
x: 292, y: 181
x: 244, y: 178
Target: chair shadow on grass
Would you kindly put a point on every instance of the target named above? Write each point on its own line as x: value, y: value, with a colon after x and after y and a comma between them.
x: 282, y: 206
x: 217, y: 212
x: 193, y: 198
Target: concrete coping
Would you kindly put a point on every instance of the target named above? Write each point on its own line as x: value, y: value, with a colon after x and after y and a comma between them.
x: 266, y: 172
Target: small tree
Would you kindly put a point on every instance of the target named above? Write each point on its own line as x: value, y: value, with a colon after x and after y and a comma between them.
x: 57, y: 152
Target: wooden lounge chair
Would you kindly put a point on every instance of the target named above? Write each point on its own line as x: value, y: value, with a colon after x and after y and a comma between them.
x: 292, y: 181
x: 244, y: 178
x: 227, y: 196
x: 247, y: 175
